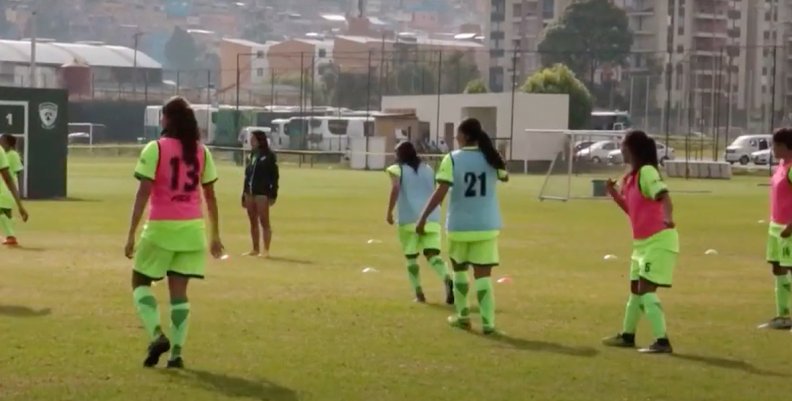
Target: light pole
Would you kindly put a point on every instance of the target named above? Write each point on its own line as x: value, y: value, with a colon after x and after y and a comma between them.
x: 33, y: 68
x: 136, y: 38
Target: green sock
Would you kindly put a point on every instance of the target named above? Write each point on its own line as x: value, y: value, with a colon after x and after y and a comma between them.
x: 6, y: 225
x: 146, y: 306
x: 461, y: 287
x: 180, y: 314
x: 655, y: 314
x: 632, y: 314
x: 783, y: 289
x: 439, y: 266
x: 486, y: 299
x: 414, y: 273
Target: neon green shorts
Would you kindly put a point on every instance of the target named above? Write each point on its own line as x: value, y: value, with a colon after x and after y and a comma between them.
x: 155, y: 262
x: 480, y: 253
x: 414, y: 244
x: 653, y: 264
x: 779, y: 250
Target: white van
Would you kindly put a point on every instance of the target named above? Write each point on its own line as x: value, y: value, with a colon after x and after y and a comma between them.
x: 247, y: 132
x: 741, y: 149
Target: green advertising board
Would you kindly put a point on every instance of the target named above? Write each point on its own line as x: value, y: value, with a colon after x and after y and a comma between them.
x: 39, y: 119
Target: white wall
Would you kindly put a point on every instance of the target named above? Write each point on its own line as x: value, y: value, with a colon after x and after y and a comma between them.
x: 531, y: 111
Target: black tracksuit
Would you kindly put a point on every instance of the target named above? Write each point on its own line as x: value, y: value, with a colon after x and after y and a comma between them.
x: 261, y: 175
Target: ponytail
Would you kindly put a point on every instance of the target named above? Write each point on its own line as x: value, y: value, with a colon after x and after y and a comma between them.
x: 471, y: 128
x: 406, y: 154
x: 182, y: 125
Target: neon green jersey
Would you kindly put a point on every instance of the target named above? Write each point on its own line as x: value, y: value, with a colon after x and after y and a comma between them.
x: 14, y: 168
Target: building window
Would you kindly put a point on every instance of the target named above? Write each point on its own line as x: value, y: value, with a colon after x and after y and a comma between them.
x: 322, y: 53
x: 496, y: 79
x: 548, y: 9
x: 517, y: 9
x: 259, y: 72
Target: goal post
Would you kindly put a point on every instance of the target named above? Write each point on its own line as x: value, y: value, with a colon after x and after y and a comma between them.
x: 580, y: 163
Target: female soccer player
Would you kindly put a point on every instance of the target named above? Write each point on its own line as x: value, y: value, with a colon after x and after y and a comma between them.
x: 8, y: 199
x: 473, y: 220
x: 645, y: 199
x: 778, y: 241
x: 260, y: 190
x: 173, y: 241
x: 412, y: 183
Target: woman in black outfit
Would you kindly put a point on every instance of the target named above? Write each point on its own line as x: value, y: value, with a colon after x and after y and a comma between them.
x: 260, y: 191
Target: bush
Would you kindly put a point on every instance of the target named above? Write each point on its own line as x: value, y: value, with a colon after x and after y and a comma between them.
x: 560, y: 79
x: 475, y: 86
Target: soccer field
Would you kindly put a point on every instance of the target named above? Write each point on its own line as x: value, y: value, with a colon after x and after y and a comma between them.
x: 309, y: 325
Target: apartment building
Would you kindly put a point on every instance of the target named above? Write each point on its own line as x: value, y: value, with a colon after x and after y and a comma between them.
x: 513, y: 31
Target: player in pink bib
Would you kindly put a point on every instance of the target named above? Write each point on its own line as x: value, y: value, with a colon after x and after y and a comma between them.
x: 173, y: 241
x: 779, y: 243
x: 644, y: 198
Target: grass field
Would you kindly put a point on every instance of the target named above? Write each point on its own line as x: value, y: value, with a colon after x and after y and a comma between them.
x: 308, y: 325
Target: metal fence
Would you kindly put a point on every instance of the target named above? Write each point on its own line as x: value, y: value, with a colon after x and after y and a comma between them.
x: 714, y: 94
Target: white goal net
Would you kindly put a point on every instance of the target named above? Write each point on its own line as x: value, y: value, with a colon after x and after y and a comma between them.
x: 583, y: 162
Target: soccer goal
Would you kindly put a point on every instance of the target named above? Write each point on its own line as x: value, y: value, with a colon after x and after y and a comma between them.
x: 583, y: 162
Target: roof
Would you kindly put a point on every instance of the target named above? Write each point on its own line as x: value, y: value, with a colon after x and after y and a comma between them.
x: 364, y: 39
x: 95, y: 55
x: 247, y: 43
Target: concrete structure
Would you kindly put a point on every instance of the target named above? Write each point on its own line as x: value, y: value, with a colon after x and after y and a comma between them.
x: 499, y: 117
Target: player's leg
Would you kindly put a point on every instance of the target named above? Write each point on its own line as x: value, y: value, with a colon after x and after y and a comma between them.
x: 783, y: 290
x: 632, y: 311
x: 185, y: 266
x: 150, y: 264
x: 657, y: 269
x: 458, y: 253
x: 430, y: 242
x: 179, y: 317
x: 7, y: 226
x: 263, y: 210
x: 255, y: 234
x: 409, y: 242
x: 484, y: 256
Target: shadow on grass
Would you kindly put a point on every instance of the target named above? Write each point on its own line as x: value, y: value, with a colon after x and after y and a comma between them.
x: 22, y: 248
x: 290, y: 260
x: 23, y: 311
x: 535, y: 345
x: 725, y: 363
x: 450, y: 308
x: 236, y: 387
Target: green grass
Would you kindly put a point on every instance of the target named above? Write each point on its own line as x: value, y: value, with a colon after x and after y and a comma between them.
x: 308, y: 325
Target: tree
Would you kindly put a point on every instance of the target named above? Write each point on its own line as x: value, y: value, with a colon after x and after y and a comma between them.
x: 181, y: 50
x: 560, y: 79
x: 476, y: 86
x: 459, y: 68
x: 589, y: 34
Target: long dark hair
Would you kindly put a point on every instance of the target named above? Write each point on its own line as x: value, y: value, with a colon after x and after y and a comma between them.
x: 263, y: 142
x: 182, y: 125
x: 642, y: 148
x: 406, y: 154
x: 471, y: 129
x: 10, y: 141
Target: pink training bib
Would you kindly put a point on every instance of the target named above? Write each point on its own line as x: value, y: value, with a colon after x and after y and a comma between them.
x: 646, y: 215
x: 176, y: 194
x: 781, y: 195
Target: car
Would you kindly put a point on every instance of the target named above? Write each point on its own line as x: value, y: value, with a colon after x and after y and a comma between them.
x: 615, y: 157
x: 79, y: 137
x: 580, y: 145
x: 598, y: 151
x: 741, y: 149
x: 762, y: 157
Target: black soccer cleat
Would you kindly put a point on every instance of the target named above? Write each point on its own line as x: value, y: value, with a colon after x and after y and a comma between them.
x: 449, y: 289
x: 157, y: 347
x: 661, y: 346
x: 621, y: 340
x: 177, y: 363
